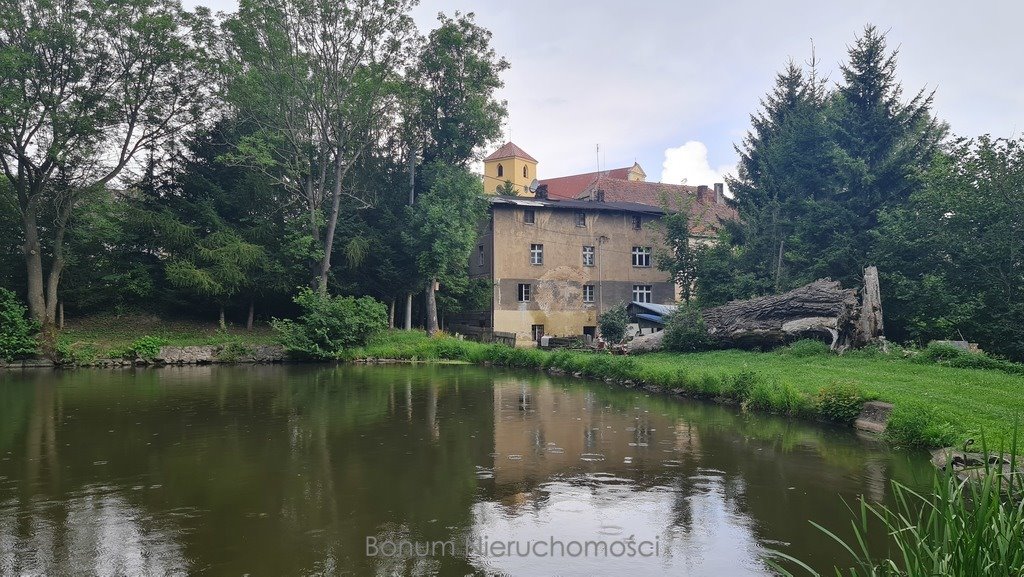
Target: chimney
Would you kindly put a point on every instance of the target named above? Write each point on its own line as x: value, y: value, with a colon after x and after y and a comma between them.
x: 703, y: 192
x: 719, y: 193
x: 542, y: 192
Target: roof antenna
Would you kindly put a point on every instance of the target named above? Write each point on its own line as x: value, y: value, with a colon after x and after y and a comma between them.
x: 597, y: 152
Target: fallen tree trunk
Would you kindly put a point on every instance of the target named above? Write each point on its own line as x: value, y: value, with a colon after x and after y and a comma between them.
x: 822, y: 309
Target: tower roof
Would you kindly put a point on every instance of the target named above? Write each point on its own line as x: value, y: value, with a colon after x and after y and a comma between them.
x: 509, y: 150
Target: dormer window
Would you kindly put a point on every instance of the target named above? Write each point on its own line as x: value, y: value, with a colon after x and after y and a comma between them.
x: 501, y: 170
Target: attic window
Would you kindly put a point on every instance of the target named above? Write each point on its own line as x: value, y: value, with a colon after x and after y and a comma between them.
x: 581, y: 218
x: 525, y: 172
x: 637, y: 222
x: 529, y: 217
x: 501, y: 170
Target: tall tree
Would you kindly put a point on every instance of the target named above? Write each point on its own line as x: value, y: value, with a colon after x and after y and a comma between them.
x: 455, y: 112
x: 318, y: 79
x: 786, y: 167
x: 678, y: 257
x: 443, y: 229
x: 84, y: 88
x: 452, y: 113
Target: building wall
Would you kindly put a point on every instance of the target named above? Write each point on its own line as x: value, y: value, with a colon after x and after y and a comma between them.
x: 557, y: 284
x: 513, y: 171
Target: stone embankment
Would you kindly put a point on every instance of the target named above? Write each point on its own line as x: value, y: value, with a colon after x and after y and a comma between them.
x: 210, y: 354
x: 190, y: 355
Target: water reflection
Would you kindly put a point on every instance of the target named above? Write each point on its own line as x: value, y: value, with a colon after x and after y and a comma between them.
x: 288, y: 470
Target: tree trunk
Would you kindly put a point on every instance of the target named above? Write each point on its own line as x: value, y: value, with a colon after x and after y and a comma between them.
x: 32, y: 250
x: 221, y: 322
x: 431, y: 307
x: 252, y: 314
x: 820, y: 309
x: 391, y: 315
x: 871, y: 325
x: 332, y: 224
x: 60, y: 315
x: 408, y: 312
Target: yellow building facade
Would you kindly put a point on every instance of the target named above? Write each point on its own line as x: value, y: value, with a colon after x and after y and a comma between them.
x: 509, y: 164
x: 556, y: 266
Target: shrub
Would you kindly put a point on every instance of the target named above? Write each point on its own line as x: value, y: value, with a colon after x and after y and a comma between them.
x: 939, y: 353
x: 147, y: 347
x: 948, y: 355
x: 839, y: 402
x: 685, y: 330
x: 17, y: 331
x: 613, y: 323
x: 330, y: 324
x: 921, y: 427
x: 806, y: 348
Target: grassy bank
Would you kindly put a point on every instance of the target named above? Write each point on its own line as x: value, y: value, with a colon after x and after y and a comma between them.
x: 936, y: 405
x: 84, y: 340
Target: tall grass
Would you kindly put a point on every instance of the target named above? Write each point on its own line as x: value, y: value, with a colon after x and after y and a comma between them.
x: 963, y: 528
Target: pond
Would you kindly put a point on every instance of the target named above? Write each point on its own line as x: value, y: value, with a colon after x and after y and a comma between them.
x: 411, y: 470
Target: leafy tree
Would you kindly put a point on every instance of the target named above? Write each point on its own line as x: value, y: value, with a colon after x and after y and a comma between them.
x: 953, y: 258
x: 17, y: 331
x: 721, y: 273
x: 443, y: 229
x: 454, y: 80
x: 452, y: 113
x: 678, y: 257
x: 320, y: 81
x: 613, y: 323
x: 84, y: 87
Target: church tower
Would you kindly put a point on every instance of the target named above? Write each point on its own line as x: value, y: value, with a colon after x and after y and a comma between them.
x: 509, y: 163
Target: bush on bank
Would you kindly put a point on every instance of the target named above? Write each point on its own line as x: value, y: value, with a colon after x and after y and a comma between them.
x: 330, y: 324
x: 17, y: 331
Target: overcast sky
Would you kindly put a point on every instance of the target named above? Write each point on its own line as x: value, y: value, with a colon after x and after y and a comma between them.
x: 671, y: 85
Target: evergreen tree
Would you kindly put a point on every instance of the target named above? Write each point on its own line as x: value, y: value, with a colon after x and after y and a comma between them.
x: 786, y: 167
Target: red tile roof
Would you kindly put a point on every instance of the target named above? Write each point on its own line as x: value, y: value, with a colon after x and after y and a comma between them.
x: 706, y: 212
x: 571, y: 186
x: 509, y: 150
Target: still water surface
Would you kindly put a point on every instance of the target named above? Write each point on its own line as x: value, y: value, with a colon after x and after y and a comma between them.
x: 292, y: 470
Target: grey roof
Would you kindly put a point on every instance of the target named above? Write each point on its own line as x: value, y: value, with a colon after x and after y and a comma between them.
x: 660, y: 310
x: 576, y: 204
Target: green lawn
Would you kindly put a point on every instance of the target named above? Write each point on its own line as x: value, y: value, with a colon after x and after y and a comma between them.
x: 951, y: 401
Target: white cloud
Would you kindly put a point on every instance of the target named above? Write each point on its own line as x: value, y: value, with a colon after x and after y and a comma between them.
x: 688, y: 164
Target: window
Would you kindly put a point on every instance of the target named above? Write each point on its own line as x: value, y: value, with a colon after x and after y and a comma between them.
x: 581, y: 218
x: 480, y: 253
x: 641, y: 256
x: 536, y: 254
x: 529, y: 217
x: 501, y: 170
x: 588, y: 293
x: 525, y: 172
x: 588, y: 256
x: 637, y: 222
x: 538, y: 332
x: 642, y: 293
x: 524, y: 292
